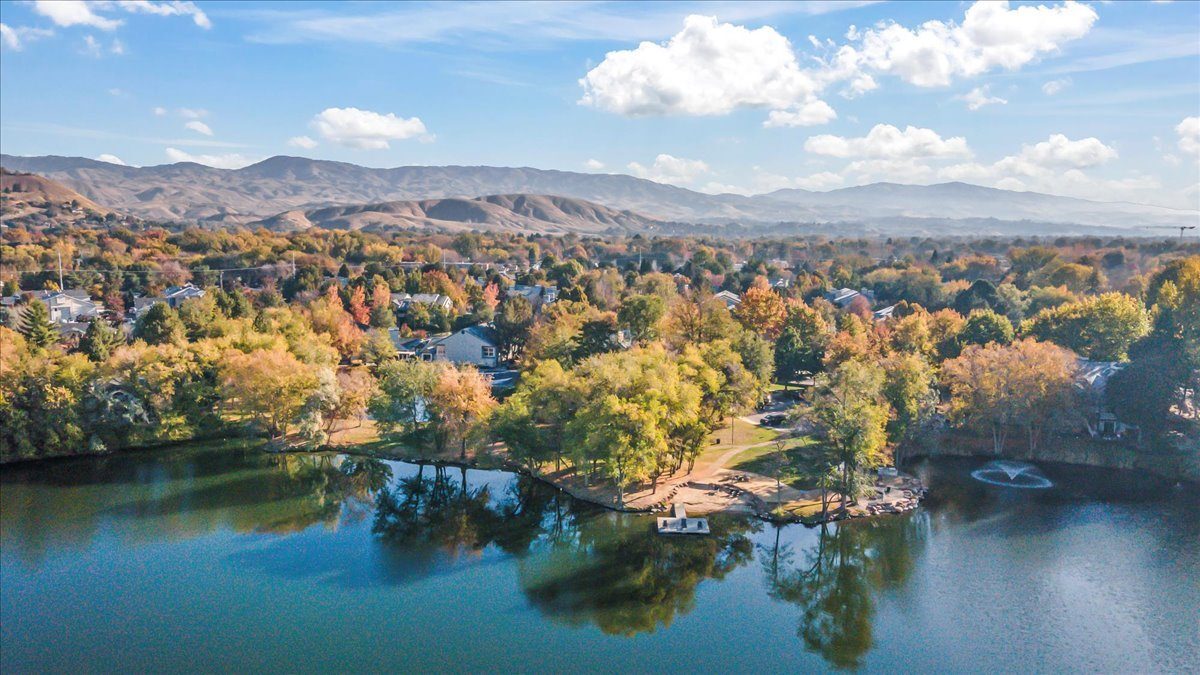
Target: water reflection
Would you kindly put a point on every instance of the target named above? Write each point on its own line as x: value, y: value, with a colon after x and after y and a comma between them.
x: 835, y: 582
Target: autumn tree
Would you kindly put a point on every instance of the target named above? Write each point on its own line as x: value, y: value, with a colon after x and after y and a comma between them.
x: 985, y: 326
x: 641, y: 314
x: 762, y: 311
x: 460, y: 402
x: 100, y: 340
x: 403, y: 388
x: 269, y: 387
x: 801, y: 344
x: 1100, y: 327
x: 159, y: 325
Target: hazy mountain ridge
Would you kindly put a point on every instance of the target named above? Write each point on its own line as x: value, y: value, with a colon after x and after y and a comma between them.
x: 189, y: 191
x: 534, y: 213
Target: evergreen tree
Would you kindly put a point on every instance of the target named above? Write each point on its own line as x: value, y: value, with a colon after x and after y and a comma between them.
x: 100, y: 340
x: 160, y: 325
x: 35, y: 325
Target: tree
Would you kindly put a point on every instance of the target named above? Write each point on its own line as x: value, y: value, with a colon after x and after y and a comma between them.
x: 909, y: 388
x: 801, y: 344
x: 985, y: 326
x: 641, y: 314
x: 460, y: 401
x: 403, y: 391
x: 382, y: 315
x: 623, y: 433
x: 100, y: 340
x: 358, y: 306
x: 35, y: 325
x: 268, y: 386
x: 1027, y: 384
x: 762, y: 311
x: 160, y: 325
x: 513, y: 323
x: 1100, y: 327
x: 849, y: 415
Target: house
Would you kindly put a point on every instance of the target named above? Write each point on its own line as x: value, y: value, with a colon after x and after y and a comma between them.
x: 731, y: 299
x: 403, y: 301
x: 477, y: 345
x: 538, y: 296
x: 1093, y: 377
x: 885, y: 313
x: 842, y: 297
x: 71, y: 306
x: 177, y: 295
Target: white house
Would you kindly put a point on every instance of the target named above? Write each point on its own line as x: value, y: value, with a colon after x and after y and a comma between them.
x: 65, y: 306
x: 402, y: 301
x: 842, y: 297
x: 731, y: 299
x: 538, y: 296
x: 176, y: 295
x: 476, y: 345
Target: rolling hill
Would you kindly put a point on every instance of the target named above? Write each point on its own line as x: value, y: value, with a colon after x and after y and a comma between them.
x: 197, y: 193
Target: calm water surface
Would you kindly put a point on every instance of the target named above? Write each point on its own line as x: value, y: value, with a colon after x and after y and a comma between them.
x: 217, y: 558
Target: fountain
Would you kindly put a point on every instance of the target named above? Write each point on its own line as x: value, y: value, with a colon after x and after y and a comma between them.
x: 1007, y: 473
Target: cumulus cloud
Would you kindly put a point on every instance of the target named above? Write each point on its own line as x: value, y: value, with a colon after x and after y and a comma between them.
x: 1054, y: 86
x: 885, y: 141
x: 111, y: 159
x: 73, y: 13
x: 230, y: 161
x: 364, y: 129
x: 669, y: 169
x: 302, y: 142
x: 808, y: 114
x: 593, y: 165
x: 992, y: 35
x: 1060, y: 151
x: 820, y: 181
x: 159, y: 110
x: 199, y: 127
x: 15, y: 38
x: 67, y: 13
x: 192, y: 113
x: 708, y: 68
x: 978, y: 98
x: 1189, y: 135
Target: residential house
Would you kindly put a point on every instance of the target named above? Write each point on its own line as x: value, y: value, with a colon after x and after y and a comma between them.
x: 885, y: 313
x: 403, y: 301
x: 477, y: 345
x: 72, y: 306
x: 731, y: 299
x: 538, y: 296
x: 842, y: 297
x: 1101, y: 421
x: 177, y: 295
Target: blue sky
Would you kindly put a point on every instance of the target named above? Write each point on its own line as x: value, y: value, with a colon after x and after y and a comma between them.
x: 1093, y: 100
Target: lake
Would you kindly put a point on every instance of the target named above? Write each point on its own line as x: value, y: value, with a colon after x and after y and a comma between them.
x: 226, y: 558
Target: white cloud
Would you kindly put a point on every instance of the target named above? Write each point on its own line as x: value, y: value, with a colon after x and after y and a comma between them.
x: 230, y: 161
x: 593, y: 165
x: 167, y: 9
x: 111, y: 159
x: 808, y: 114
x: 885, y: 141
x: 820, y: 181
x: 1189, y: 135
x: 192, y: 113
x: 1060, y: 151
x: 73, y: 13
x: 708, y: 68
x: 1054, y: 86
x: 78, y: 13
x: 669, y: 169
x: 118, y: 47
x: 159, y: 110
x: 91, y: 46
x: 16, y: 38
x: 199, y: 127
x: 992, y: 35
x: 117, y: 91
x: 978, y: 98
x: 302, y: 142
x: 365, y: 129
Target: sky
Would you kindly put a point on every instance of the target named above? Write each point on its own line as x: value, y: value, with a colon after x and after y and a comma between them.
x: 1093, y: 100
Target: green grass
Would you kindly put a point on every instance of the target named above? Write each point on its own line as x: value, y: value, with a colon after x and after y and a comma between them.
x: 762, y: 461
x: 744, y: 434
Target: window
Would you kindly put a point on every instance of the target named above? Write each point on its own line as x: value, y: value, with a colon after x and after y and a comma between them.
x: 489, y: 352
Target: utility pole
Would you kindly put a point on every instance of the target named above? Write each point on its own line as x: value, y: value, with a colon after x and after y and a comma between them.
x: 293, y: 264
x: 60, y: 272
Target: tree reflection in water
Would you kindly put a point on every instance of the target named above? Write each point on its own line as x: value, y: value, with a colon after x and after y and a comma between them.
x: 836, y: 582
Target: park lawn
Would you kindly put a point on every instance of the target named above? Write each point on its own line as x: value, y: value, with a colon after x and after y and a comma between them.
x: 761, y: 461
x: 744, y: 433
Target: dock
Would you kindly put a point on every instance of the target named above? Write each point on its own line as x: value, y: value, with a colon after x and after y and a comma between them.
x: 679, y: 523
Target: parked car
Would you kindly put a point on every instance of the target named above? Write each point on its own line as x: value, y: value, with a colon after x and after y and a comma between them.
x: 774, y: 420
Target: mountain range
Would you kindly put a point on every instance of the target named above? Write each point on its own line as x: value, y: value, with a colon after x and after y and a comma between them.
x: 298, y: 192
